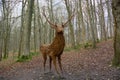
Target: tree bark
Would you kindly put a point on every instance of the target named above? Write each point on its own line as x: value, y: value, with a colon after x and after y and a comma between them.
x: 110, y: 27
x: 6, y: 22
x: 1, y: 39
x: 116, y: 15
x: 35, y: 32
x: 28, y: 27
x: 83, y: 36
x: 90, y: 14
x: 21, y: 30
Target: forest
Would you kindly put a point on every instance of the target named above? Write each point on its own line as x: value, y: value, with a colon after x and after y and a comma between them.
x: 81, y: 38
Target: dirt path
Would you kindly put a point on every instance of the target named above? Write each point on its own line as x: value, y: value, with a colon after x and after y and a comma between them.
x: 84, y: 64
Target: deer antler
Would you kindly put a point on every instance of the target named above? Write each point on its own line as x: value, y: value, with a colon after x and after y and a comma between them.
x: 69, y: 18
x: 52, y: 25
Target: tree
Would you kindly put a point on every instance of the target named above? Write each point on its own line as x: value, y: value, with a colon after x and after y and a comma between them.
x: 109, y: 24
x: 68, y: 7
x: 28, y: 27
x: 51, y: 15
x: 81, y: 21
x: 35, y: 32
x: 21, y: 29
x: 95, y: 20
x: 1, y: 39
x: 7, y: 27
x: 116, y: 15
x: 91, y: 20
x: 101, y: 15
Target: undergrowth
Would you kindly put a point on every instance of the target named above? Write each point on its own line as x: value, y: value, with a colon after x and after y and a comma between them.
x: 77, y: 47
x: 87, y: 45
x: 24, y: 58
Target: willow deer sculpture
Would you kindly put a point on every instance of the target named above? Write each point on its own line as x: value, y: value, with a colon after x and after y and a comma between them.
x: 55, y: 49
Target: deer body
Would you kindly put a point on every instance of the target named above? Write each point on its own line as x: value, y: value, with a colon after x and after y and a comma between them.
x: 58, y: 44
x: 54, y: 50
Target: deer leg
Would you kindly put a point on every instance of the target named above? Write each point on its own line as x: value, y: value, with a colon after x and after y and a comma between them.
x: 60, y: 65
x: 44, y: 62
x: 54, y: 62
x: 50, y: 59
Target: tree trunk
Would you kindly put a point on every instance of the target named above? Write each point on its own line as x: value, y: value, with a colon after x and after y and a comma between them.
x: 110, y: 27
x: 21, y: 30
x: 35, y: 32
x: 6, y: 22
x: 116, y: 15
x: 102, y: 21
x: 28, y: 27
x: 39, y: 22
x: 95, y: 20
x: 70, y: 24
x: 91, y: 20
x: 1, y: 39
x: 83, y: 36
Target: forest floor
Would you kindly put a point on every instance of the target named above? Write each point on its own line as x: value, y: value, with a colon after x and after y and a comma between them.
x: 82, y: 64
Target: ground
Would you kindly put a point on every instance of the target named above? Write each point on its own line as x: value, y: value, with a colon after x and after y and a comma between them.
x: 82, y: 64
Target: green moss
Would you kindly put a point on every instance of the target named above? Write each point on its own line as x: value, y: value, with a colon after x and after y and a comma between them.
x: 97, y: 40
x: 25, y: 58
x: 116, y: 63
x: 33, y: 53
x: 77, y: 47
x: 68, y: 49
x: 87, y: 45
x: 73, y: 48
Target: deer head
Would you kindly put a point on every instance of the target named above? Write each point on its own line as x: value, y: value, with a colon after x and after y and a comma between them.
x: 57, y: 27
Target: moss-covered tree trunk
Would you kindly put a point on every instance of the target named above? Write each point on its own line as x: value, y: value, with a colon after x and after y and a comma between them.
x: 21, y: 31
x: 1, y: 39
x: 91, y: 21
x: 28, y: 27
x: 116, y: 15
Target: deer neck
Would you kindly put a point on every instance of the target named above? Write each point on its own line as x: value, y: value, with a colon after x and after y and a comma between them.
x: 57, y: 46
x: 59, y: 35
x: 58, y: 39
